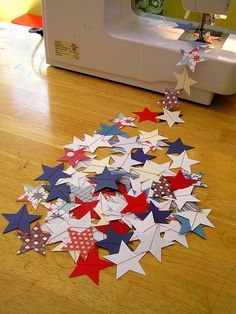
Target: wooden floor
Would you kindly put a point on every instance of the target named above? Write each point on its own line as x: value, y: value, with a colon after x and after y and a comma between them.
x: 41, y: 110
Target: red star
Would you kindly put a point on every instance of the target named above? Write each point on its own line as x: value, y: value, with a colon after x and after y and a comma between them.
x: 146, y: 114
x: 117, y: 226
x: 91, y: 266
x: 84, y: 208
x: 179, y: 181
x: 72, y: 157
x: 136, y: 204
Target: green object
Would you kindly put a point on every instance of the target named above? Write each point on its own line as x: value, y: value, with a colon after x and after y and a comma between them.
x: 150, y: 6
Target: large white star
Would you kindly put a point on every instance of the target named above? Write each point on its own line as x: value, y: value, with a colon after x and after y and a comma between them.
x: 182, y: 161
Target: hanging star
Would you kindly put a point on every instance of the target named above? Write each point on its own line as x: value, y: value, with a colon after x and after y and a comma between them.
x: 177, y: 147
x: 20, y: 220
x: 140, y: 156
x: 171, y: 117
x: 35, y: 240
x: 91, y: 266
x: 191, y: 58
x: 95, y: 141
x: 171, y: 99
x: 123, y: 121
x: 84, y: 208
x: 58, y: 191
x: 98, y: 166
x: 179, y: 181
x: 106, y: 180
x: 126, y: 260
x: 32, y: 195
x: 184, y: 26
x: 147, y: 115
x: 113, y: 241
x: 72, y: 157
x: 80, y: 241
x: 111, y: 130
x: 52, y: 175
x: 124, y: 162
x: 184, y: 81
x: 182, y: 161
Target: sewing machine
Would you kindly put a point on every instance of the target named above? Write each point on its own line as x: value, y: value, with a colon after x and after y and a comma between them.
x: 107, y: 39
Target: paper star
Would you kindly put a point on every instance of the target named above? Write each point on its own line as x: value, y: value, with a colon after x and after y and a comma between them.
x: 126, y: 260
x: 91, y: 267
x: 84, y: 208
x: 136, y: 204
x: 159, y: 216
x: 32, y: 195
x: 75, y: 145
x: 124, y: 162
x: 184, y: 195
x: 111, y: 130
x: 186, y: 227
x: 172, y: 233
x: 179, y: 181
x: 117, y: 226
x: 184, y: 26
x: 73, y: 156
x: 84, y: 193
x: 98, y: 166
x: 123, y: 121
x: 177, y: 147
x: 73, y: 253
x: 191, y: 58
x: 147, y: 115
x: 58, y: 208
x: 58, y: 191
x: 106, y: 180
x: 95, y: 141
x: 78, y: 179
x: 184, y: 81
x: 182, y: 161
x: 140, y: 156
x: 20, y: 220
x: 35, y: 240
x: 52, y: 174
x: 113, y: 241
x: 171, y: 117
x: 143, y: 226
x: 162, y: 188
x: 151, y: 137
x: 128, y: 144
x: 82, y: 242
x: 195, y: 176
x: 197, y: 218
x: 171, y: 99
x: 152, y: 242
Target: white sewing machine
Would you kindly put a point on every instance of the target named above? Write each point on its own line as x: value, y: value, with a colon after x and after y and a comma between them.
x: 107, y: 39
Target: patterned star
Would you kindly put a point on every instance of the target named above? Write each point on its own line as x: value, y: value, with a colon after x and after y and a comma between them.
x: 171, y: 99
x: 111, y: 130
x: 72, y: 157
x: 123, y: 121
x: 35, y: 240
x: 191, y: 58
x: 32, y: 195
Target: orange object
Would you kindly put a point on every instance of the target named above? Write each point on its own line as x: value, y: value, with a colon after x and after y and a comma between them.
x: 29, y: 20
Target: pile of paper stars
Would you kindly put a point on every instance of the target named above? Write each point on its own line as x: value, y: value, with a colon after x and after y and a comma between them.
x: 126, y: 203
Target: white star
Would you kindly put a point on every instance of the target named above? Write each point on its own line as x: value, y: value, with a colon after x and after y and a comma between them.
x: 197, y: 218
x: 171, y: 231
x: 75, y: 145
x: 124, y: 162
x: 98, y: 165
x: 95, y: 141
x: 182, y: 161
x: 126, y: 260
x: 171, y: 117
x: 151, y: 137
x: 128, y: 143
x: 183, y: 196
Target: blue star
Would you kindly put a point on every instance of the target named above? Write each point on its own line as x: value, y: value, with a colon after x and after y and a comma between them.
x: 58, y: 191
x: 21, y: 220
x: 113, y: 241
x: 186, y: 227
x: 160, y: 216
x: 184, y: 26
x: 177, y: 147
x: 106, y: 179
x: 53, y: 174
x: 140, y: 156
x: 111, y: 130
